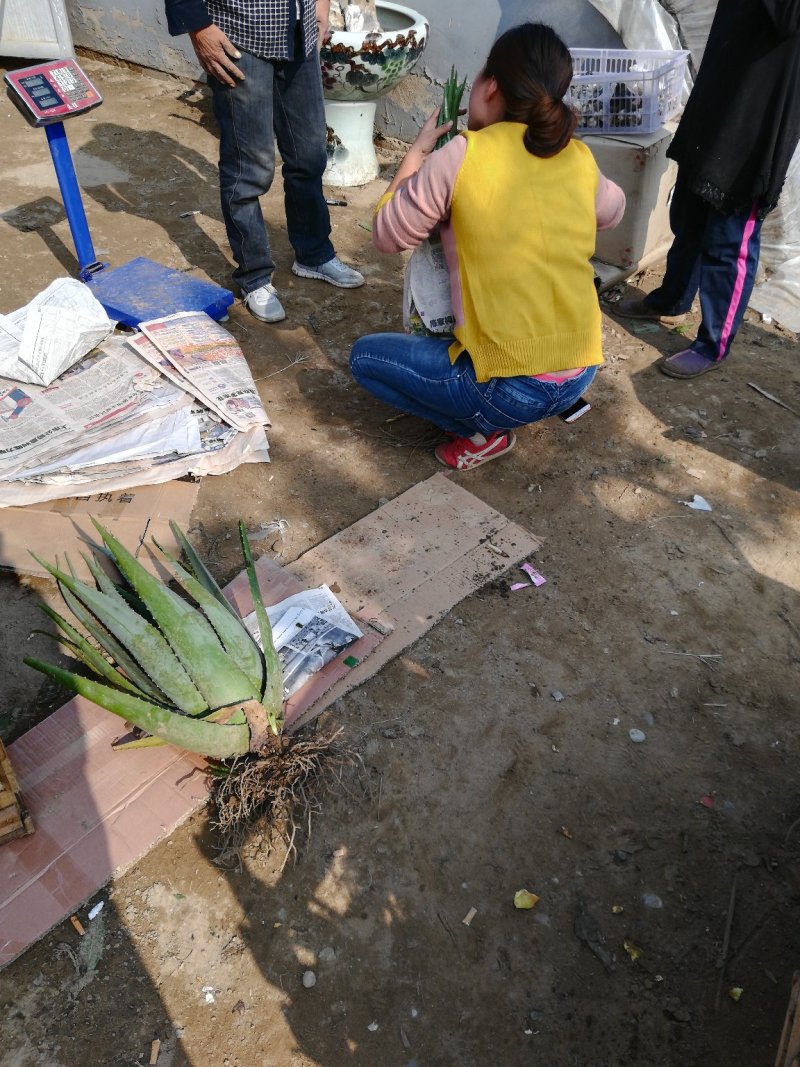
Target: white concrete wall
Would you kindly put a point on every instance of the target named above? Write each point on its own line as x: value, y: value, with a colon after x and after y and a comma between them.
x: 461, y: 33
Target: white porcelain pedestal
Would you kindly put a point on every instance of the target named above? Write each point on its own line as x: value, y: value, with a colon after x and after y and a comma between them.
x: 353, y: 161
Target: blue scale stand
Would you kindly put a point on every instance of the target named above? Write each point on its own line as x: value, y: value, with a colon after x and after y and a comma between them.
x: 137, y: 291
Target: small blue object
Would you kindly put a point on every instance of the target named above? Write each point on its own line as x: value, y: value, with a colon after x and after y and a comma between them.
x: 142, y: 290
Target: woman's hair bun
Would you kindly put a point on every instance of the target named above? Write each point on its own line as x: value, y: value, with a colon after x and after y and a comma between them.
x: 550, y: 128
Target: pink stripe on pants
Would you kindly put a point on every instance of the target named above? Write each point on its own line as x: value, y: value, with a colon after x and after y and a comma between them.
x: 741, y: 274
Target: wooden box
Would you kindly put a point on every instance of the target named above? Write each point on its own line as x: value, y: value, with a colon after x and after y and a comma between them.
x: 789, y: 1051
x: 14, y: 818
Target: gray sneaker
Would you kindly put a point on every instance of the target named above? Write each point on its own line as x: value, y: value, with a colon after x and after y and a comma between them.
x: 334, y: 271
x: 264, y: 304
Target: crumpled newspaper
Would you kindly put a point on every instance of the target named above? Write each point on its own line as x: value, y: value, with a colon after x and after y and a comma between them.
x: 41, y: 340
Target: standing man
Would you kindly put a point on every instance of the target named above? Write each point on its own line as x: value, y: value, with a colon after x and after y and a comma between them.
x: 263, y: 69
x: 733, y: 147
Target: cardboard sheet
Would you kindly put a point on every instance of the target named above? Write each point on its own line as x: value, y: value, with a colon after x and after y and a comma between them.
x: 134, y: 516
x: 404, y: 566
x: 397, y: 571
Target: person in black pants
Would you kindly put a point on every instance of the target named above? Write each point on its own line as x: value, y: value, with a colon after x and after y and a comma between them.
x: 733, y: 147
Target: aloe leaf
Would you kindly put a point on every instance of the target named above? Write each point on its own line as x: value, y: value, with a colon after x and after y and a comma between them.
x: 112, y: 647
x: 112, y: 588
x: 192, y: 638
x: 272, y: 696
x: 148, y: 741
x: 104, y: 583
x: 235, y: 718
x: 199, y: 569
x: 230, y: 629
x: 143, y: 641
x: 89, y: 654
x: 195, y: 735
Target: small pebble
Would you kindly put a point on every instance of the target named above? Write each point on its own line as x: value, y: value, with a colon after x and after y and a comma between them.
x: 651, y: 900
x: 326, y: 955
x: 557, y: 695
x: 309, y: 979
x: 648, y: 718
x: 372, y: 1027
x: 637, y: 736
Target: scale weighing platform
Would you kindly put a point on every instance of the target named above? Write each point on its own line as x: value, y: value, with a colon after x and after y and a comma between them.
x: 47, y: 94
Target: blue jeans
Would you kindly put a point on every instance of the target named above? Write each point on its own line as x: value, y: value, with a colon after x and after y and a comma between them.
x: 278, y: 101
x: 716, y: 254
x: 415, y: 374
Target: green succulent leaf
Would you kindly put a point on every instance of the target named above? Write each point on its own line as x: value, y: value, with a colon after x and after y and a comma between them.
x: 215, y: 674
x: 144, y: 642
x: 191, y: 733
x: 230, y: 629
x: 146, y: 741
x: 272, y: 696
x: 112, y: 647
x: 86, y: 652
x: 199, y: 569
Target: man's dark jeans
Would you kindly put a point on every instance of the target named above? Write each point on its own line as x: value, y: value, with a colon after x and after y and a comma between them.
x: 278, y: 101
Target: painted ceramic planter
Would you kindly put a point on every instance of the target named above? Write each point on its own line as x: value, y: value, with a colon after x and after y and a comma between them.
x: 363, y: 66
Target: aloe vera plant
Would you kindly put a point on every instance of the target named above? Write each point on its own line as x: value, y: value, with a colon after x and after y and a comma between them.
x: 187, y: 674
x: 451, y: 102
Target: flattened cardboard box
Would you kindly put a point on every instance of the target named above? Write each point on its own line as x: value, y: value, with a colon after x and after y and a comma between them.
x: 134, y: 516
x: 639, y: 165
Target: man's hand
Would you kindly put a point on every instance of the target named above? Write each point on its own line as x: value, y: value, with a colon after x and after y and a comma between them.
x: 323, y: 20
x: 215, y: 54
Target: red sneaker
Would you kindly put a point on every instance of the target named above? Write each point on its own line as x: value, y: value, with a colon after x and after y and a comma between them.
x: 464, y: 453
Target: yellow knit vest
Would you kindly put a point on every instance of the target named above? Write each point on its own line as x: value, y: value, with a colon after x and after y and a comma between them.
x: 525, y: 230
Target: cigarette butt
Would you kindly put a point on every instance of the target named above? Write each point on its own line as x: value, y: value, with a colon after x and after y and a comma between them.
x: 156, y: 1045
x: 77, y: 924
x: 469, y: 916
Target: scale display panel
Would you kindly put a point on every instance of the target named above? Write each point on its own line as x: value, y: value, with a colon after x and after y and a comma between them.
x: 51, y: 92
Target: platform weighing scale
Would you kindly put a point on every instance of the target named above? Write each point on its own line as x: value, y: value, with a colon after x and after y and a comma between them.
x: 135, y: 292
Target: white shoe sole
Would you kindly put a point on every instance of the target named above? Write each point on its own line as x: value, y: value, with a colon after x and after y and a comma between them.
x: 265, y: 318
x: 308, y: 272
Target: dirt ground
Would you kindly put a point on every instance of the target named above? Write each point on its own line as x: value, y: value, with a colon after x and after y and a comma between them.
x: 497, y: 750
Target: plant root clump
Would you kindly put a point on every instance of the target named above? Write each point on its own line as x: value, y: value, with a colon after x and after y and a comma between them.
x: 281, y: 789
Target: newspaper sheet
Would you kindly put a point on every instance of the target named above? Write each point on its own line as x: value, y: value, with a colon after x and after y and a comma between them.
x: 427, y: 303
x: 50, y: 334
x: 249, y: 447
x: 309, y: 629
x: 93, y: 399
x: 129, y: 414
x: 208, y: 358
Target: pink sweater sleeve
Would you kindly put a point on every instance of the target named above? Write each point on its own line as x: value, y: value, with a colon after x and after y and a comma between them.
x: 609, y: 204
x: 414, y: 210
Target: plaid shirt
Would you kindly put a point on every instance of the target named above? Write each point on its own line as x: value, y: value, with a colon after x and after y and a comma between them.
x: 264, y: 28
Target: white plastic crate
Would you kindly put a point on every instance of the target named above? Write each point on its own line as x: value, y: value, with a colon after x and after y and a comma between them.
x: 624, y: 91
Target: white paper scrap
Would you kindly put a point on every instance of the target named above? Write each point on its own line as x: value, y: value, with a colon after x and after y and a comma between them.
x: 697, y: 503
